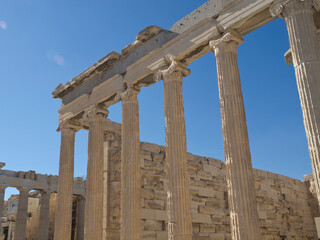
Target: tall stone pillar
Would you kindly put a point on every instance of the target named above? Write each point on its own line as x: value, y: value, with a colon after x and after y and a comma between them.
x: 178, y: 195
x: 130, y: 167
x: 2, y: 193
x: 94, y: 187
x: 43, y: 229
x: 63, y: 216
x: 241, y: 186
x: 80, y: 217
x: 22, y: 215
x: 305, y: 49
x: 106, y: 184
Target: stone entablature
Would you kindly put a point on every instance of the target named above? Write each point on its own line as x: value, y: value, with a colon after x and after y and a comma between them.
x: 185, y: 44
x: 32, y: 180
x: 158, y: 54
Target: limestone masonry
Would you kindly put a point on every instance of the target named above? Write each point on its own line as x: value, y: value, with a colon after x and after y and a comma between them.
x: 158, y: 54
x: 286, y: 206
x: 183, y: 197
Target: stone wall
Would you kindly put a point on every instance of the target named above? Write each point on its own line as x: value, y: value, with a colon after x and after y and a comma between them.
x: 33, y: 223
x: 286, y: 206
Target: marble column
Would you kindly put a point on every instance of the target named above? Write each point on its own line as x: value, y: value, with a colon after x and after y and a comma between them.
x: 22, y: 215
x: 43, y: 229
x: 178, y: 193
x: 2, y: 194
x: 241, y: 185
x: 63, y: 216
x: 94, y: 187
x: 305, y: 49
x: 106, y: 184
x: 80, y: 217
x: 130, y: 167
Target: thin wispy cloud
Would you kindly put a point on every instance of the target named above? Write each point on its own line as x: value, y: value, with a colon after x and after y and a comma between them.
x: 3, y: 25
x: 53, y: 56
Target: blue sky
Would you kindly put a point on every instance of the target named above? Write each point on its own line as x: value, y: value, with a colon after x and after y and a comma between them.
x: 44, y: 43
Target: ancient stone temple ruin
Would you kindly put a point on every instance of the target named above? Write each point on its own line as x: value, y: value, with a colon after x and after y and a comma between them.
x: 31, y: 215
x: 142, y: 191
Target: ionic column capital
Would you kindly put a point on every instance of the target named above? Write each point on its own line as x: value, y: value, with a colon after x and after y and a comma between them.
x: 175, y: 67
x: 68, y: 127
x: 229, y: 41
x: 287, y: 8
x: 127, y: 94
x: 95, y: 112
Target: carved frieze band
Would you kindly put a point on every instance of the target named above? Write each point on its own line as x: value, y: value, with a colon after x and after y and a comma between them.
x: 229, y: 41
x: 285, y: 8
x: 174, y: 66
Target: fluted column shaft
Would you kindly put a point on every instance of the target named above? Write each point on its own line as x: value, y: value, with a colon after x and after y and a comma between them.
x: 80, y: 217
x: 130, y: 168
x: 240, y: 180
x: 305, y: 48
x: 94, y: 187
x: 43, y: 229
x: 22, y: 215
x: 63, y: 216
x: 106, y: 185
x: 2, y: 194
x: 178, y: 193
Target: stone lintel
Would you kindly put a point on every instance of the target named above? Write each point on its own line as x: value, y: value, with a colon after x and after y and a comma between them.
x: 107, y: 62
x: 140, y: 65
x: 210, y: 9
x: 40, y: 182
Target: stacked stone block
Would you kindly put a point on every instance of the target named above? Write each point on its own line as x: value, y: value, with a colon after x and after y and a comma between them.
x: 283, y: 203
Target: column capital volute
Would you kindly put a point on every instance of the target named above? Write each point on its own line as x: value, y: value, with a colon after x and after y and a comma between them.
x: 228, y: 41
x: 127, y: 93
x: 286, y: 8
x: 69, y: 126
x: 173, y: 66
x: 95, y: 112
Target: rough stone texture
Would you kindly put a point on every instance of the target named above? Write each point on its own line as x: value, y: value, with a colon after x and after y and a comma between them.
x: 130, y: 167
x: 283, y: 203
x: 242, y: 201
x: 37, y: 181
x: 208, y: 10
